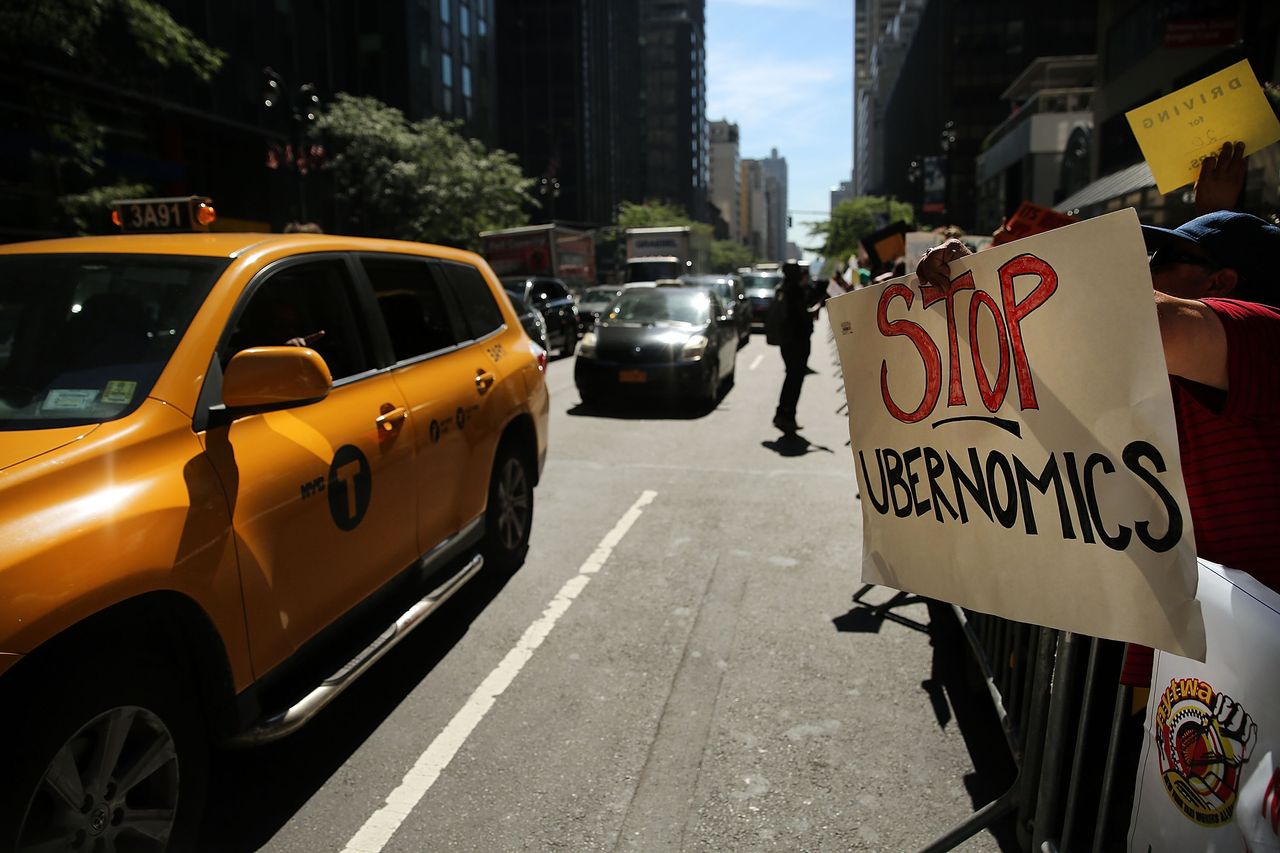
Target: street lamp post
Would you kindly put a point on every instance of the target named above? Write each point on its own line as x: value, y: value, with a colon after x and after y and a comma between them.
x: 299, y: 106
x: 549, y: 188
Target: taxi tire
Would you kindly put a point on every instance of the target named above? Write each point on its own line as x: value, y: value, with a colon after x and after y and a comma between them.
x: 510, y: 503
x: 53, y: 714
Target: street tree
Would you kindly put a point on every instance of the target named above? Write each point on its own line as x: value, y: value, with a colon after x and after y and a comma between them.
x: 420, y: 180
x: 730, y: 256
x: 125, y: 41
x: 855, y: 218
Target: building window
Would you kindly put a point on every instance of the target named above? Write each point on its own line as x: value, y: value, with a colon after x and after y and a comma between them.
x: 424, y: 54
x: 466, y: 81
x: 446, y: 70
x: 444, y: 11
x: 464, y: 21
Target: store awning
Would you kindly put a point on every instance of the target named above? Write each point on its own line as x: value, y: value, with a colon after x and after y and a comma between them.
x: 1115, y: 185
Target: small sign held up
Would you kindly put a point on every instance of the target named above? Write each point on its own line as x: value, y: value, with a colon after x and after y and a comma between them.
x: 1014, y: 439
x: 1178, y: 131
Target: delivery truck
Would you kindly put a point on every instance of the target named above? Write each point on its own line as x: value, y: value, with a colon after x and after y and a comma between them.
x: 568, y: 254
x: 667, y: 252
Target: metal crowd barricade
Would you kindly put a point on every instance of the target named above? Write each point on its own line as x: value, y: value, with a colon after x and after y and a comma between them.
x: 1050, y: 690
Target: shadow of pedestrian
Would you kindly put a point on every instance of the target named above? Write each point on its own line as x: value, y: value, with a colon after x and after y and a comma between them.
x: 794, y: 444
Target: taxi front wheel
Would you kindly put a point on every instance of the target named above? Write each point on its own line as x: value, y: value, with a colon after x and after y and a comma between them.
x: 109, y: 761
x: 509, y: 515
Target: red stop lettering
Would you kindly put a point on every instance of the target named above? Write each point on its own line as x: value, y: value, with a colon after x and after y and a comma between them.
x: 924, y: 346
x: 1015, y: 312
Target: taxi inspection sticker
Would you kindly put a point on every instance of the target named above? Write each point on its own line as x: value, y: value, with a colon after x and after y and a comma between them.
x: 69, y: 399
x: 349, y: 487
x: 119, y: 392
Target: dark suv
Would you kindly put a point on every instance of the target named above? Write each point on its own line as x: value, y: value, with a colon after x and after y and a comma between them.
x: 554, y: 302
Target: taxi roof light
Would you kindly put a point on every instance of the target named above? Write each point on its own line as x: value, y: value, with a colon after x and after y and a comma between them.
x: 205, y: 214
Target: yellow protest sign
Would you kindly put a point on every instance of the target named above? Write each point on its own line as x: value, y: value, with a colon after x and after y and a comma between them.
x: 1179, y: 130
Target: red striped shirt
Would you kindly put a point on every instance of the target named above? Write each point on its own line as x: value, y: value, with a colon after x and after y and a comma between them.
x: 1230, y: 442
x: 1230, y: 449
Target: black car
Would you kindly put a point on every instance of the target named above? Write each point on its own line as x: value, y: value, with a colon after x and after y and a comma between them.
x: 733, y: 296
x: 552, y: 298
x: 592, y: 301
x: 760, y: 288
x: 531, y: 321
x: 666, y: 341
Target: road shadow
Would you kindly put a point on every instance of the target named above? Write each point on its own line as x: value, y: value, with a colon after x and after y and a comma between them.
x: 642, y: 410
x: 794, y: 444
x: 866, y: 617
x: 958, y: 694
x: 254, y: 792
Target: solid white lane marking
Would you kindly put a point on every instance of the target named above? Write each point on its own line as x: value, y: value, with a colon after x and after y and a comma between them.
x: 756, y: 361
x: 383, y: 823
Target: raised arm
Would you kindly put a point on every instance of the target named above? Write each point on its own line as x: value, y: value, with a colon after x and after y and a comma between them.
x: 1195, y: 342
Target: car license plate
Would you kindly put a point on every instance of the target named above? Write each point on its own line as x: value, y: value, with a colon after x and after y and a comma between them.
x: 632, y: 376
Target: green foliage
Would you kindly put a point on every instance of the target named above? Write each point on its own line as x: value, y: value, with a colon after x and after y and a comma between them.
x: 730, y: 256
x: 657, y: 214
x: 90, y: 212
x: 855, y: 218
x: 418, y: 180
x: 113, y: 39
x: 651, y: 214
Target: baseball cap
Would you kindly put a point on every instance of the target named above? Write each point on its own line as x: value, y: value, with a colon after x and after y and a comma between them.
x: 1241, y: 241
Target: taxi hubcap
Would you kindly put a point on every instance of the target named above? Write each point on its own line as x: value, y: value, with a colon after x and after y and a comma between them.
x: 513, y: 504
x: 112, y: 786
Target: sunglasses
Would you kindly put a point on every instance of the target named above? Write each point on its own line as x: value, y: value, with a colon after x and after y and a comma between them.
x: 1164, y: 258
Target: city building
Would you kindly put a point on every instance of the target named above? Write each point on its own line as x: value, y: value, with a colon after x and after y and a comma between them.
x: 775, y: 170
x: 568, y: 105
x: 754, y: 209
x: 177, y: 135
x: 1040, y: 153
x: 1147, y: 49
x: 726, y: 170
x: 946, y: 95
x: 883, y: 30
x: 674, y: 91
x: 844, y: 192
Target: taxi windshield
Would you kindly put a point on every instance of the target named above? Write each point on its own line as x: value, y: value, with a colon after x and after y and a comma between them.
x: 661, y: 305
x: 84, y: 337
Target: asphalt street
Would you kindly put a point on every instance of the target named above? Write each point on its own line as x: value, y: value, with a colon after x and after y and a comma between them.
x: 678, y: 666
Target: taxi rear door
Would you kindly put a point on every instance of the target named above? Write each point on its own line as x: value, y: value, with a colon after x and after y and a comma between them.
x: 437, y: 377
x: 321, y: 494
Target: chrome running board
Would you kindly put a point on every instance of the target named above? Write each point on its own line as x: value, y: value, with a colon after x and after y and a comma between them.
x: 290, y: 720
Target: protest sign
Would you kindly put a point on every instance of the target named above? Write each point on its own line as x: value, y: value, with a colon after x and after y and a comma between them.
x: 1030, y: 219
x: 1014, y: 439
x: 1208, y: 778
x: 886, y: 245
x: 1179, y: 130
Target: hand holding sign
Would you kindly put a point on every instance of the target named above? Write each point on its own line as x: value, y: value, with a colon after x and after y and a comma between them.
x: 1177, y: 132
x: 1221, y: 180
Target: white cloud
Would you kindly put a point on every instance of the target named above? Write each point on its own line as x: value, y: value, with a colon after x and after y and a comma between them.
x: 774, y: 101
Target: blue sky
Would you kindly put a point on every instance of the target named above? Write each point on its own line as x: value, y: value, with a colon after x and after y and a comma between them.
x: 782, y: 70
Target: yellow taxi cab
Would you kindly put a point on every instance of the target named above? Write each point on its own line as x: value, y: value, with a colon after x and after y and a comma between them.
x: 235, y: 469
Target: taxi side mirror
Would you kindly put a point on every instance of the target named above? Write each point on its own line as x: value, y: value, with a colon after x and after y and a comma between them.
x: 261, y: 378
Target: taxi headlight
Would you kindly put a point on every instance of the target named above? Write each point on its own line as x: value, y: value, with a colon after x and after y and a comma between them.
x: 694, y: 348
x: 587, y: 346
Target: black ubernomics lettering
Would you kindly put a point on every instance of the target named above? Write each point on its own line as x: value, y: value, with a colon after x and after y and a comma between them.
x: 920, y: 481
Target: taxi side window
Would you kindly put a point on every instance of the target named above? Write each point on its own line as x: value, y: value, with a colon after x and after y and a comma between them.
x: 414, y: 305
x: 474, y: 299
x: 309, y: 304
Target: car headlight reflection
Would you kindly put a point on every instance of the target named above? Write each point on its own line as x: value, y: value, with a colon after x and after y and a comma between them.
x: 694, y: 347
x: 587, y: 346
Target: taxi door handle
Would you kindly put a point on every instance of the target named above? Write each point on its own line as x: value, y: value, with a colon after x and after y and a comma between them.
x: 484, y: 379
x: 391, y: 417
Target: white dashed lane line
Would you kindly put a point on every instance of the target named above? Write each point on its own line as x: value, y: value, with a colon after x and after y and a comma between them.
x: 382, y: 824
